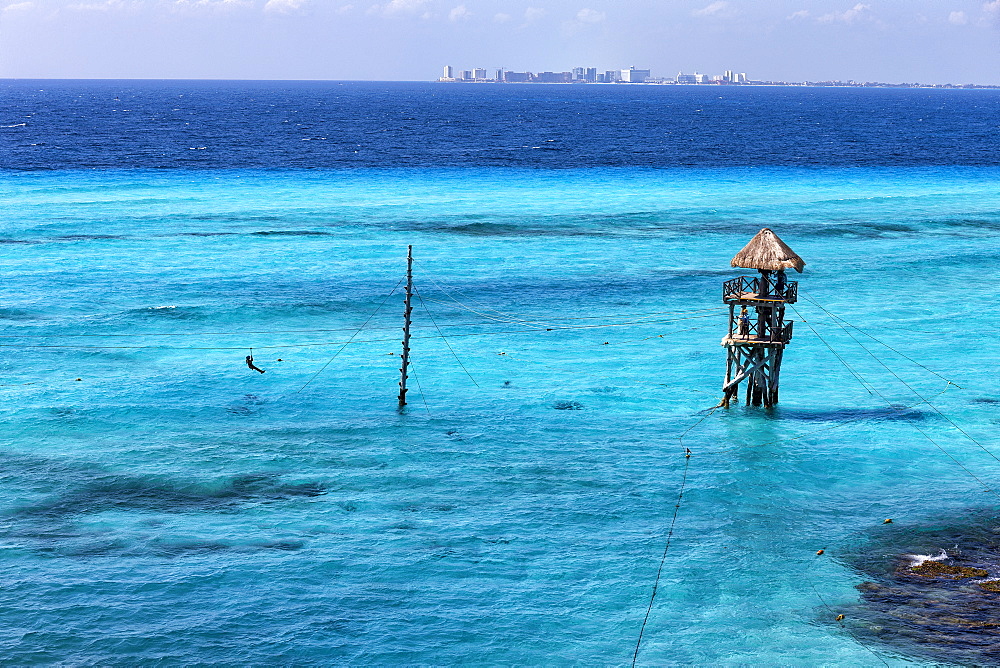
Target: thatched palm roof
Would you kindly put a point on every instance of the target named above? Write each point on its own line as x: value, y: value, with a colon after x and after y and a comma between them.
x: 767, y: 251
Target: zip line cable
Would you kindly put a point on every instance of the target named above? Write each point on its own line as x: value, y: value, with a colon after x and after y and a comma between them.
x: 909, y: 387
x: 856, y: 375
x: 413, y: 370
x: 986, y: 486
x: 877, y: 340
x: 429, y: 315
x: 336, y: 343
x: 670, y: 532
x: 323, y: 368
x: 844, y: 626
x: 663, y: 559
x: 323, y: 330
x: 509, y: 316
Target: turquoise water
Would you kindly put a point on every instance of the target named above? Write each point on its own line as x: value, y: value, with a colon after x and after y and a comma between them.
x: 173, y: 506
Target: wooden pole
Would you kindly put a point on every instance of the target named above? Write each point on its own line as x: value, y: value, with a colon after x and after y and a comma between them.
x: 407, y: 309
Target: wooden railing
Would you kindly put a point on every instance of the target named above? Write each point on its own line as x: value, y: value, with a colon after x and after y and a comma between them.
x: 747, y: 287
x: 751, y: 331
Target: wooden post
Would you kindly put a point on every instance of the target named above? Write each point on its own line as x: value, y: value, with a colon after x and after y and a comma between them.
x: 407, y: 309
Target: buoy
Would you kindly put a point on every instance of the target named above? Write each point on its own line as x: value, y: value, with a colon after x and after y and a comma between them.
x: 887, y: 522
x: 280, y: 360
x: 840, y: 618
x: 79, y: 378
x: 819, y: 551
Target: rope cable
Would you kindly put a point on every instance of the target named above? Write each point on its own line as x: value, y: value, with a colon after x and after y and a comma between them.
x: 670, y: 532
x: 330, y: 361
x: 909, y: 387
x: 987, y: 487
x: 429, y: 315
x: 877, y: 340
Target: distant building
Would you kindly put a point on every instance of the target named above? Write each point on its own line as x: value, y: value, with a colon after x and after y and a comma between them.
x: 554, y: 77
x: 687, y: 78
x: 578, y: 74
x: 632, y: 75
x: 449, y: 72
x: 479, y: 74
x: 466, y: 75
x: 517, y: 77
x: 611, y: 76
x: 499, y: 76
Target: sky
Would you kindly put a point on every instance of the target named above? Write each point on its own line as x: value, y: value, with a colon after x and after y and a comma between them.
x: 925, y: 41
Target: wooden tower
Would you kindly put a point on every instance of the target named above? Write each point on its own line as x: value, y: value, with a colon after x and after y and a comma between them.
x: 758, y: 332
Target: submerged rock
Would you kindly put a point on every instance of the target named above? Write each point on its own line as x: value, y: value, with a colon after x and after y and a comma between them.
x: 943, y: 608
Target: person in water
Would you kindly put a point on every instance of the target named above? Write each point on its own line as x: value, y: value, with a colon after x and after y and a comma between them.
x: 251, y: 364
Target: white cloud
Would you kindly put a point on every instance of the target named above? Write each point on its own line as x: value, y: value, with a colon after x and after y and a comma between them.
x: 958, y: 18
x: 532, y: 14
x: 18, y: 7
x: 402, y: 8
x: 801, y: 14
x: 857, y: 12
x: 459, y: 13
x: 719, y: 9
x: 106, y: 6
x: 590, y: 16
x: 283, y: 6
x: 501, y: 18
x: 209, y: 5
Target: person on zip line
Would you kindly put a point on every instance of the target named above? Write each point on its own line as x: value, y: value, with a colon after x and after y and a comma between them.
x: 251, y: 364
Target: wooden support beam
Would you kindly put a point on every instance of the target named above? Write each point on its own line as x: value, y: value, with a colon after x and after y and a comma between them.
x: 407, y: 309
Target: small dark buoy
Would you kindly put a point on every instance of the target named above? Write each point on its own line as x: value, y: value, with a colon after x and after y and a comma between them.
x: 840, y: 618
x: 605, y: 343
x: 79, y: 378
x: 819, y: 551
x: 280, y: 360
x: 887, y: 522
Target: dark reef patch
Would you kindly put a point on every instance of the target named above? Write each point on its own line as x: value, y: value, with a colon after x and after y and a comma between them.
x: 932, y: 591
x: 159, y: 494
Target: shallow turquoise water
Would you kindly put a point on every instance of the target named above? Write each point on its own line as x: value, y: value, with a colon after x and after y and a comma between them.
x: 174, y: 506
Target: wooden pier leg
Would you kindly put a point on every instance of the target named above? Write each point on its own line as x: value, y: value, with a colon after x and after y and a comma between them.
x: 729, y: 374
x: 407, y: 310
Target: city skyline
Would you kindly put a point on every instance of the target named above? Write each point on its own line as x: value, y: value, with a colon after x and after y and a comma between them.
x: 930, y: 41
x: 634, y: 75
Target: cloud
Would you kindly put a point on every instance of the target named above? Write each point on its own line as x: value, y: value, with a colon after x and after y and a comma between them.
x: 719, y: 9
x: 106, y: 6
x: 590, y: 16
x: 401, y: 8
x: 18, y: 7
x: 958, y: 18
x: 532, y: 14
x: 501, y: 18
x: 857, y: 12
x: 459, y: 13
x: 209, y: 5
x: 801, y: 14
x: 283, y: 6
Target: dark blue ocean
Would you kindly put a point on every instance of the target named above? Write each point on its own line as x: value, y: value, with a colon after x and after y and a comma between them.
x: 162, y: 503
